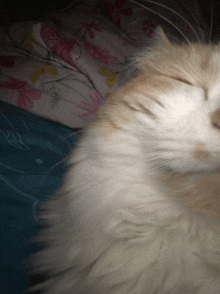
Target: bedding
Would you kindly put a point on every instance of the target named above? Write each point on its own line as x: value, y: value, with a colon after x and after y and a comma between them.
x: 63, y: 68
x: 32, y: 153
x: 54, y: 75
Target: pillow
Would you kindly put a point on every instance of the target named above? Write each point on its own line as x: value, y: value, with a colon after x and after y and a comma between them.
x: 65, y: 67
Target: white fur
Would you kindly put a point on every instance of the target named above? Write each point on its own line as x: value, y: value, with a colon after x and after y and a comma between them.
x: 119, y: 218
x: 115, y: 227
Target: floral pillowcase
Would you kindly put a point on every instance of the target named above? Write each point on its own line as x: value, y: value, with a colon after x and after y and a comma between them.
x: 64, y: 68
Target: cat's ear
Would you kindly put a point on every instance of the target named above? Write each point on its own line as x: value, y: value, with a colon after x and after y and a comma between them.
x: 160, y: 37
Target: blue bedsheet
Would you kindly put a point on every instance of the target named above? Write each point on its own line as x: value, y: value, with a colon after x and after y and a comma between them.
x: 31, y: 166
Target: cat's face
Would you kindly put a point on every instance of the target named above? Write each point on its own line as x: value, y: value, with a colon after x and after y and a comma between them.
x: 184, y: 122
x: 186, y: 128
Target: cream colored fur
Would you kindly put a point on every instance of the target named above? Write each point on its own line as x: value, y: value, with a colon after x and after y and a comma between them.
x: 139, y: 209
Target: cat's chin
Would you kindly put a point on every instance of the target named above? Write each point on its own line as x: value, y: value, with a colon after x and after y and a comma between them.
x: 188, y: 168
x: 186, y: 172
x: 198, y: 190
x: 195, y: 173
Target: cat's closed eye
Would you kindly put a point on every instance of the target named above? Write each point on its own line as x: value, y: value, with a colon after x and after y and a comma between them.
x: 183, y: 81
x: 215, y: 119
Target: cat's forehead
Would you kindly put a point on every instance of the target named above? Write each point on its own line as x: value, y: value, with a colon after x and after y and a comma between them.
x: 195, y: 64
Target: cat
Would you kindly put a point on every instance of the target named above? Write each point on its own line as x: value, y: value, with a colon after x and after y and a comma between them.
x: 139, y: 208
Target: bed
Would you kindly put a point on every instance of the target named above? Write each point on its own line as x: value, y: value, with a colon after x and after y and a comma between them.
x: 55, y: 72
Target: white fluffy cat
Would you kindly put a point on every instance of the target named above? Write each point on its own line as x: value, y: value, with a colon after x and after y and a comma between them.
x: 139, y: 209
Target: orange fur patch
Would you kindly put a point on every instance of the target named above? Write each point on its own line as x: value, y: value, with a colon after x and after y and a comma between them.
x: 201, y: 194
x: 191, y: 63
x: 200, y: 153
x: 137, y: 95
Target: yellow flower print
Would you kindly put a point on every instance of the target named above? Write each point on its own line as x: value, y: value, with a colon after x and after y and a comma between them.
x: 29, y: 39
x: 39, y: 70
x: 111, y: 76
x: 107, y: 94
x: 125, y: 43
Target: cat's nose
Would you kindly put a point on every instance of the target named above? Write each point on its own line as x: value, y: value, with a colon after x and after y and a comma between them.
x: 200, y: 153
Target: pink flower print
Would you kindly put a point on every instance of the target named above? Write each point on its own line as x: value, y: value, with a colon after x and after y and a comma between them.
x: 116, y: 10
x: 62, y: 47
x: 7, y: 61
x: 101, y: 54
x: 25, y: 95
x: 13, y: 84
x: 148, y: 28
x: 89, y: 27
x: 90, y: 109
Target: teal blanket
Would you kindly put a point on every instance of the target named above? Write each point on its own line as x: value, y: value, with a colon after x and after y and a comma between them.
x: 32, y: 162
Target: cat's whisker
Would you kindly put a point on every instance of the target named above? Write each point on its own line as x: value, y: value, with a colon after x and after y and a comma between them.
x: 59, y: 162
x: 161, y: 16
x: 188, y: 10
x: 180, y: 16
x: 211, y: 20
x: 157, y: 161
x: 188, y: 75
